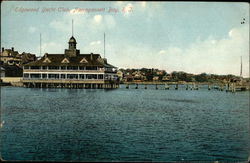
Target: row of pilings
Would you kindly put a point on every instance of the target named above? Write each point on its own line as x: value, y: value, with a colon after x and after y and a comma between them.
x: 71, y: 85
x: 230, y: 87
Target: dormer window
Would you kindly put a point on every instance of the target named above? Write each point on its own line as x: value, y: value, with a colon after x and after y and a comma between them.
x: 100, y: 59
x: 46, y: 60
x: 65, y: 60
x: 84, y: 60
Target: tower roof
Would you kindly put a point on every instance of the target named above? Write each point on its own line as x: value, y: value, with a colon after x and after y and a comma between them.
x: 72, y: 40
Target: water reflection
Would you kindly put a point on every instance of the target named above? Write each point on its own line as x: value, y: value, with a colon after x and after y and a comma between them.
x: 123, y: 125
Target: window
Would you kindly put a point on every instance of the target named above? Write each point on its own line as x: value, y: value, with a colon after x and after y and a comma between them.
x: 26, y: 67
x: 107, y: 77
x: 91, y: 68
x: 82, y: 68
x: 72, y: 76
x: 53, y: 76
x: 25, y: 75
x: 72, y: 68
x: 53, y: 67
x: 100, y: 76
x: 44, y: 67
x: 35, y: 76
x: 81, y: 76
x: 44, y: 76
x: 63, y: 67
x: 91, y: 76
x: 34, y: 67
x: 63, y: 76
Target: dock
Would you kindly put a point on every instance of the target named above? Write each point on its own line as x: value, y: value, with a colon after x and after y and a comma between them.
x: 229, y: 87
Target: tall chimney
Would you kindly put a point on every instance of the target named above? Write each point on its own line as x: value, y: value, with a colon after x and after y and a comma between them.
x: 12, y: 49
x: 91, y: 56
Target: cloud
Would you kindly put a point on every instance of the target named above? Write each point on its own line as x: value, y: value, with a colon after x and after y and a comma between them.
x: 143, y: 4
x: 51, y: 48
x: 95, y: 43
x: 90, y: 24
x: 109, y: 21
x: 63, y: 23
x: 219, y: 56
x: 32, y: 29
x: 162, y: 52
x: 127, y: 10
x: 210, y: 55
x: 98, y: 19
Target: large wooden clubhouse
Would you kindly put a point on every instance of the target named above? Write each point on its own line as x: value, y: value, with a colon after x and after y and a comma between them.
x: 70, y: 70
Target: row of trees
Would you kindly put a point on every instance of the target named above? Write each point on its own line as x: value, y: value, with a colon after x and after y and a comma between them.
x: 180, y: 75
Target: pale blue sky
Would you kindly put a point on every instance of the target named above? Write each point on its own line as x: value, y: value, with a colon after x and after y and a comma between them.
x: 194, y: 37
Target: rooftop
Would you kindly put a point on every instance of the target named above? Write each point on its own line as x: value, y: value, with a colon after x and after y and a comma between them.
x: 63, y: 60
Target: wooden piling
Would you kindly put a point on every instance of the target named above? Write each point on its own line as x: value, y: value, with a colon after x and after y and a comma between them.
x: 176, y: 87
x: 197, y: 87
x: 166, y: 86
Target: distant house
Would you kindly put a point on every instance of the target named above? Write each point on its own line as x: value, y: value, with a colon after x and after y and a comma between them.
x: 156, y: 78
x: 120, y: 75
x: 129, y: 78
x: 27, y: 57
x: 12, y: 57
x: 166, y: 78
x: 160, y: 72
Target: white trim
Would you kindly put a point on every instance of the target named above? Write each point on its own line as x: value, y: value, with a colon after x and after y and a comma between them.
x: 65, y: 73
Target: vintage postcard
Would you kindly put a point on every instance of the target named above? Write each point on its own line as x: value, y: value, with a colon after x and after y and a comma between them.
x: 103, y: 81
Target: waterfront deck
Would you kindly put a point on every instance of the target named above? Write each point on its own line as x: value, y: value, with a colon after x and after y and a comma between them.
x: 69, y: 83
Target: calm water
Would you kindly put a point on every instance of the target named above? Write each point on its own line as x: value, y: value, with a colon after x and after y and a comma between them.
x: 124, y: 125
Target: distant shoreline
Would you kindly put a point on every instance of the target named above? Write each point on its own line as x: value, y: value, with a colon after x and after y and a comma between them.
x: 174, y: 83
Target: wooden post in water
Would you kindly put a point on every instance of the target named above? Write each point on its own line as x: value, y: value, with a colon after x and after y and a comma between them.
x: 127, y: 86
x: 176, y: 87
x: 233, y: 88
x: 221, y: 87
x: 156, y: 86
x: 197, y: 87
x: 145, y: 86
x: 209, y: 87
x: 193, y: 86
x: 166, y: 86
x: 136, y: 86
x: 228, y: 87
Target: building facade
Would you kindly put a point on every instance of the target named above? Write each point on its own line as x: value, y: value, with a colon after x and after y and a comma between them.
x: 2, y: 72
x: 70, y: 70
